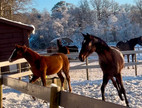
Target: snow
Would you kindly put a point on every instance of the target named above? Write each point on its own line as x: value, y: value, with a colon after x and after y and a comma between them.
x: 81, y: 86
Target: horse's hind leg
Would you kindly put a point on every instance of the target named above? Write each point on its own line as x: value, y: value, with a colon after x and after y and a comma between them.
x: 133, y: 60
x: 116, y: 85
x: 34, y: 79
x: 119, y: 78
x: 105, y: 81
x: 61, y: 78
x: 68, y: 79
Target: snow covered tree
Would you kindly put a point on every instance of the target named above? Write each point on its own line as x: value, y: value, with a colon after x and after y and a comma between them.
x: 11, y: 8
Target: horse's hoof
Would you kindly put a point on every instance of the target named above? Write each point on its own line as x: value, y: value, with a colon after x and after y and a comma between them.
x: 45, y: 102
x: 33, y: 98
x: 128, y: 106
x: 4, y: 98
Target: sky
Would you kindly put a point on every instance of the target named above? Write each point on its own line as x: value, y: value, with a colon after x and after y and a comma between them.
x: 48, y: 4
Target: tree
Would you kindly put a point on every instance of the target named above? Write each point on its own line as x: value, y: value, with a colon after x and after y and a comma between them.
x: 100, y: 6
x: 137, y: 12
x: 11, y: 8
x: 6, y: 8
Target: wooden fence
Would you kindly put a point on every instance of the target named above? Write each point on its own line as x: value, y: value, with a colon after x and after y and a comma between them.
x: 87, y: 66
x: 54, y: 95
x: 84, y: 65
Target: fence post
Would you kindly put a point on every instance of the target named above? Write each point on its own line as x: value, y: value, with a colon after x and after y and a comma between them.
x: 54, y: 96
x: 87, y: 72
x: 19, y: 67
x: 135, y: 65
x: 1, y: 89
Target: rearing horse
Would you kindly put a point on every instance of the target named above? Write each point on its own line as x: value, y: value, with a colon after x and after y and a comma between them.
x: 43, y: 65
x: 129, y: 45
x: 110, y: 60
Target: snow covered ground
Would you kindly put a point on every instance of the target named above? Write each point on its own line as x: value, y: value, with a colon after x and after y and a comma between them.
x: 90, y: 88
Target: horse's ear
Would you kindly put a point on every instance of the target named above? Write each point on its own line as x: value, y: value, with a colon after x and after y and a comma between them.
x: 89, y: 36
x: 83, y: 35
x: 24, y: 47
x: 17, y: 46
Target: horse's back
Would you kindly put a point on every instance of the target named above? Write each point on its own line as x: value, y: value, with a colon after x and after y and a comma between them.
x: 65, y: 61
x: 123, y: 46
x: 54, y: 63
x: 118, y: 57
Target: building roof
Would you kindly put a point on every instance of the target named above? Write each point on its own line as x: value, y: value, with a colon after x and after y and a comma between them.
x: 31, y: 28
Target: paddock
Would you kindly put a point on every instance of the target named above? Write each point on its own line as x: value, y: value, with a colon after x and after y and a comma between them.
x: 66, y: 99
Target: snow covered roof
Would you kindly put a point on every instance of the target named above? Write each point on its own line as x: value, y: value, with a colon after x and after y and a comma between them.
x: 18, y: 24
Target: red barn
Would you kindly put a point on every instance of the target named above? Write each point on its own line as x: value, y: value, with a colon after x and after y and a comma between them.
x: 11, y: 33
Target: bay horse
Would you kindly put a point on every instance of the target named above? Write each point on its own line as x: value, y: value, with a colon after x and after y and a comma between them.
x: 43, y: 65
x: 62, y: 49
x: 129, y: 45
x: 111, y: 62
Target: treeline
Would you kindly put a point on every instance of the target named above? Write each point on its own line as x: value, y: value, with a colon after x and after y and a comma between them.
x: 105, y: 18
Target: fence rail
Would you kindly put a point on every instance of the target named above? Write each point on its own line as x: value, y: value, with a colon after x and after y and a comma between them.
x: 28, y: 88
x: 71, y: 100
x: 84, y: 65
x: 54, y: 95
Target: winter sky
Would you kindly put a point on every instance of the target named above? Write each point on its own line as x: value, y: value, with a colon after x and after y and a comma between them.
x: 48, y: 4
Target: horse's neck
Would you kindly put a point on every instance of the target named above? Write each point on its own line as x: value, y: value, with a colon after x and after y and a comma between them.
x: 133, y: 42
x: 31, y: 56
x: 102, y: 48
x: 104, y: 52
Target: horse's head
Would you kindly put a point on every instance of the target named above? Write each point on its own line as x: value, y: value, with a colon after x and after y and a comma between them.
x: 120, y: 44
x: 88, y: 46
x: 17, y: 53
x: 140, y: 40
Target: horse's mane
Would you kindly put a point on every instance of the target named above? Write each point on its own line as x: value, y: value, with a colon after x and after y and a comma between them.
x: 101, y: 43
x: 99, y: 39
x: 29, y: 50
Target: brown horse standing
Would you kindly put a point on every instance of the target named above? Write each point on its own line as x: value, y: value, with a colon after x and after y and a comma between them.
x: 110, y: 60
x: 43, y: 65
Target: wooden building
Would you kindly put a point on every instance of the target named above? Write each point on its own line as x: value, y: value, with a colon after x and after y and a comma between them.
x: 11, y: 33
